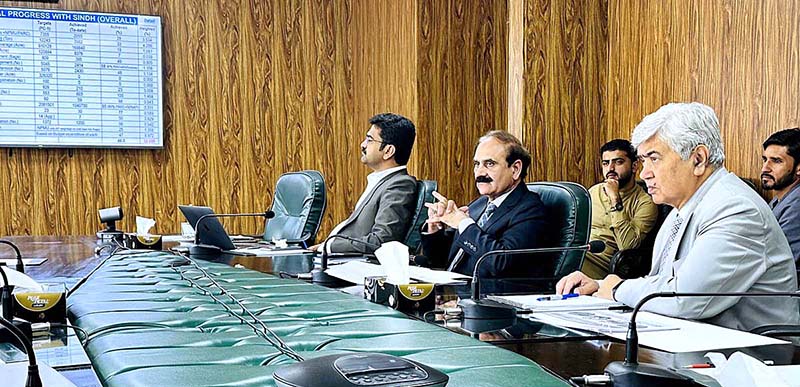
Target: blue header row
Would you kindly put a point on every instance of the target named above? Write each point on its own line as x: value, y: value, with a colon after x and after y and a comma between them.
x: 68, y: 16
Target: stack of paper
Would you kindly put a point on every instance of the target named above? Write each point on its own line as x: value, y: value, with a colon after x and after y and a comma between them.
x: 355, y: 272
x: 532, y: 302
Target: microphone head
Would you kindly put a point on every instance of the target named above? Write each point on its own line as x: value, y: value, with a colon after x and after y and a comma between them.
x: 596, y: 247
x: 269, y: 214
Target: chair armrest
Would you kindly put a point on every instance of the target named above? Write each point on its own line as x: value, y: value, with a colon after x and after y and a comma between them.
x: 631, y: 263
x: 777, y: 330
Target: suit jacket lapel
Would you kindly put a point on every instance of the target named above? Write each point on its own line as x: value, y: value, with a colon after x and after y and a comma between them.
x: 504, y: 208
x: 357, y: 211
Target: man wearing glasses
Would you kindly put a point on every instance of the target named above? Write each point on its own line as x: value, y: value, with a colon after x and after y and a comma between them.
x: 384, y: 211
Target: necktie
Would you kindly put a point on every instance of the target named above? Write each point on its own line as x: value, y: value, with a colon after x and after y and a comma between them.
x: 486, y: 215
x: 481, y: 222
x: 673, y: 233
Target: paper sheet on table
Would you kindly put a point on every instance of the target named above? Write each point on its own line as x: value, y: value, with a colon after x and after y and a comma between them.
x: 175, y: 238
x: 683, y: 335
x: 576, y: 303
x: 12, y: 262
x: 356, y: 271
x: 742, y: 370
x: 267, y: 251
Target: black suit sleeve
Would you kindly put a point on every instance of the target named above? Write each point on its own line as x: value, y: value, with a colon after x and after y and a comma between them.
x: 436, y: 247
x: 525, y: 228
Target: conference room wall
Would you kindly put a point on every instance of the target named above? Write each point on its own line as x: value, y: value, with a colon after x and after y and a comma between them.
x: 256, y: 88
x: 740, y: 57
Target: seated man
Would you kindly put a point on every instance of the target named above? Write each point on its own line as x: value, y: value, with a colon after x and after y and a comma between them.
x: 384, y: 211
x: 622, y: 213
x: 720, y: 236
x: 506, y: 216
x: 781, y: 173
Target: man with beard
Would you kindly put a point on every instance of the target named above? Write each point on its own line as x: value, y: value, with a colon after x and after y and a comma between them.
x: 506, y: 216
x: 781, y: 173
x: 719, y: 237
x: 384, y: 211
x: 622, y: 213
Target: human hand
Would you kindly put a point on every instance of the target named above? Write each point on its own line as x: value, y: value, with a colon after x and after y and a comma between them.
x: 444, y: 212
x: 577, y: 282
x: 435, y: 211
x: 611, y: 189
x: 606, y: 289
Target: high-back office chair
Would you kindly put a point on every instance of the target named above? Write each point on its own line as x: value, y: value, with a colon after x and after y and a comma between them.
x: 570, y: 211
x: 425, y: 190
x: 299, y: 203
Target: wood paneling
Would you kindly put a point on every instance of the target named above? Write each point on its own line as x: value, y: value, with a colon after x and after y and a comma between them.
x: 253, y: 89
x: 564, y: 81
x: 737, y: 56
x: 462, y: 83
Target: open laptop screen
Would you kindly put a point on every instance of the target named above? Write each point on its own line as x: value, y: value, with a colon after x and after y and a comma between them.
x: 211, y: 231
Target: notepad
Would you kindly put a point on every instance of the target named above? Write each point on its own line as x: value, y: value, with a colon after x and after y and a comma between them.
x: 531, y: 302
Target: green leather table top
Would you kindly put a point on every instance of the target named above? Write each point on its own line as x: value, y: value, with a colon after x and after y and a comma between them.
x: 150, y: 325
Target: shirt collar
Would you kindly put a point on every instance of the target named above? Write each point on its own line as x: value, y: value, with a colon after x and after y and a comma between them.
x: 774, y: 202
x: 375, y: 177
x: 500, y: 199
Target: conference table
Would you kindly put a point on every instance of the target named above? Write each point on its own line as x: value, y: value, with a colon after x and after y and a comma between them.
x: 564, y: 352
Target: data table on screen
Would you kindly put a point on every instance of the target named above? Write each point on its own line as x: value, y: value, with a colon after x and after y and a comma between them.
x: 80, y: 79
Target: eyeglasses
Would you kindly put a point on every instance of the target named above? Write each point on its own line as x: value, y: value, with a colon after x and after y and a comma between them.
x: 369, y: 139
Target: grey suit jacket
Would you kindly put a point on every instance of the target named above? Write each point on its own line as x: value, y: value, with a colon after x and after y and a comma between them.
x: 729, y: 241
x: 788, y: 213
x: 384, y: 216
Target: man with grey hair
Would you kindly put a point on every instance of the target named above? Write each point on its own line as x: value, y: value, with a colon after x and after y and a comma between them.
x: 720, y: 236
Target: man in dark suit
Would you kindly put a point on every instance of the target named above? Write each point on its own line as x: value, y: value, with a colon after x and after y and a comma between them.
x: 384, y: 211
x: 506, y: 216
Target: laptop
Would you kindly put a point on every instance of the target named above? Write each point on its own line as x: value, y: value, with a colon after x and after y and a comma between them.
x: 211, y: 233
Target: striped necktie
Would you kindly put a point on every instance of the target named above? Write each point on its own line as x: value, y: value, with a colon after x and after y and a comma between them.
x: 673, y: 233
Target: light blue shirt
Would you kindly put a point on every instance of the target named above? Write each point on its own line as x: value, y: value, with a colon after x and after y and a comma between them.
x: 787, y: 210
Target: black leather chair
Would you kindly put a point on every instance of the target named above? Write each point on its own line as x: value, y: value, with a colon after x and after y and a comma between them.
x: 299, y: 203
x: 570, y: 211
x: 425, y: 190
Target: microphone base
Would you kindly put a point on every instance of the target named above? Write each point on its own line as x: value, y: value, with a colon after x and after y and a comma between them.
x: 478, y: 310
x: 628, y: 375
x: 205, y: 252
x: 320, y: 277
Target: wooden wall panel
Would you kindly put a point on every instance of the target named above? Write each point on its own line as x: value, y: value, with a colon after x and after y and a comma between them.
x: 462, y: 83
x: 737, y: 56
x: 564, y: 82
x: 253, y: 89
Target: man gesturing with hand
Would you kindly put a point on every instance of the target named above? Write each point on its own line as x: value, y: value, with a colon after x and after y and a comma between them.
x: 506, y: 216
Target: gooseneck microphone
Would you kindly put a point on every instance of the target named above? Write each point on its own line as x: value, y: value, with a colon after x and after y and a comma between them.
x: 5, y: 295
x: 474, y: 308
x: 266, y: 215
x: 34, y: 379
x: 20, y: 264
x: 631, y: 373
x: 319, y: 276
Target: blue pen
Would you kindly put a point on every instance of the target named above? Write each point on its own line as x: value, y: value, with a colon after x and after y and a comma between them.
x: 558, y: 297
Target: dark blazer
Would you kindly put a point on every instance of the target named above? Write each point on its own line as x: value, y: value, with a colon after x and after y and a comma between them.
x: 519, y: 223
x: 384, y: 216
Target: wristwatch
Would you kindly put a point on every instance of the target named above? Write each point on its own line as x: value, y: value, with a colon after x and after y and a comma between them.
x: 617, y: 207
x: 614, y: 290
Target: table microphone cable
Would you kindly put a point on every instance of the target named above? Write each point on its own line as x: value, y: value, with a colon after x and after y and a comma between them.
x: 263, y: 331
